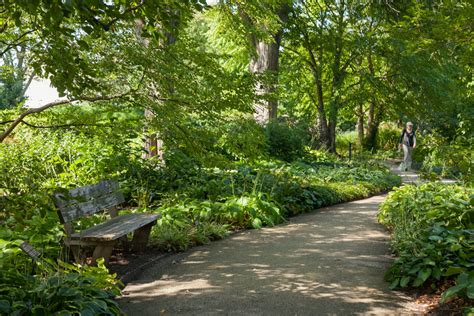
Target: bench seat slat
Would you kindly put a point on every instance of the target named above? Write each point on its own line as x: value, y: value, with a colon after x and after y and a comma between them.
x: 116, y: 227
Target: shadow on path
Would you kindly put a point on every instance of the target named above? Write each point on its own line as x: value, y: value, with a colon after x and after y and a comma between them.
x: 331, y: 261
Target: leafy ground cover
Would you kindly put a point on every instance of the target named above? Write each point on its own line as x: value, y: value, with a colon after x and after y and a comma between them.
x: 250, y: 196
x: 432, y: 229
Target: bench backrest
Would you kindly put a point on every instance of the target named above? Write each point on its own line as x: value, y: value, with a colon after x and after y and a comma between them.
x: 77, y: 203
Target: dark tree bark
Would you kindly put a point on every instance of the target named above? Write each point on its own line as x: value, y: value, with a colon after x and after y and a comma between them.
x: 374, y: 117
x: 360, y: 125
x: 372, y: 128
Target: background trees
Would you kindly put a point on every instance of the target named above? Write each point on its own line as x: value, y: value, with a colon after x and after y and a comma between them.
x: 327, y: 66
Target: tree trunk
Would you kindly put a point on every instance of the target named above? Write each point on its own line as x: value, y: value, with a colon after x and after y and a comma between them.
x: 372, y: 120
x: 266, y: 63
x: 322, y: 123
x: 153, y: 145
x: 322, y: 126
x: 332, y: 125
x: 372, y: 129
x: 337, y: 77
x: 360, y: 125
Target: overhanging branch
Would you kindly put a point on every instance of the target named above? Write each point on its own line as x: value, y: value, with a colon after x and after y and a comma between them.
x: 66, y: 125
x: 20, y: 118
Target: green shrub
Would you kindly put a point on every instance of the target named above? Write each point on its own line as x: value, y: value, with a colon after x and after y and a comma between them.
x: 432, y: 229
x: 443, y: 158
x: 388, y: 138
x: 242, y: 139
x: 64, y: 289
x: 171, y: 237
x: 284, y: 141
x: 177, y: 233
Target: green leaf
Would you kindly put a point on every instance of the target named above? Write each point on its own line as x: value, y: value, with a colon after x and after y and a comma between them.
x: 435, y: 238
x: 64, y: 291
x: 257, y: 223
x: 404, y: 281
x: 39, y: 310
x: 414, y: 269
x: 454, y: 270
x: 424, y: 274
x: 470, y: 291
x: 394, y: 283
x: 451, y: 292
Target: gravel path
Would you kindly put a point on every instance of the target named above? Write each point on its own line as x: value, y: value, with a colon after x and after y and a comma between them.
x: 331, y: 261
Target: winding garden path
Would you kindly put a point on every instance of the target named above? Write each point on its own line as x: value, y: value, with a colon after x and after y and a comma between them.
x: 331, y: 261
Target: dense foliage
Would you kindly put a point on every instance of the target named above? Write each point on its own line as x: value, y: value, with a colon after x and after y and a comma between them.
x: 432, y: 229
x: 239, y: 194
x: 219, y: 117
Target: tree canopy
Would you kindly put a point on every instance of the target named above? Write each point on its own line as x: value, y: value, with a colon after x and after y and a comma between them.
x: 327, y: 64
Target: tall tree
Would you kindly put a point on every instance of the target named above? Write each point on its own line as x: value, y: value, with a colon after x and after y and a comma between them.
x: 262, y: 24
x: 323, y: 34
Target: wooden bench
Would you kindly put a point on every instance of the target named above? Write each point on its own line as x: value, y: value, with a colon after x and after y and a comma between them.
x: 82, y: 202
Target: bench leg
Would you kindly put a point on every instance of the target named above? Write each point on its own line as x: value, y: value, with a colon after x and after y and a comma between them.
x: 140, y: 238
x: 77, y: 253
x: 103, y: 251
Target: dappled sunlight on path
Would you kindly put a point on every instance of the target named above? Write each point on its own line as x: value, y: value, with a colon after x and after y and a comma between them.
x: 331, y: 261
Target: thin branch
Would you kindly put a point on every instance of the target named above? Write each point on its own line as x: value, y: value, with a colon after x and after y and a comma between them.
x: 108, y: 25
x: 313, y: 21
x: 66, y: 125
x: 349, y: 60
x: 388, y: 4
x: 15, y: 42
x: 353, y: 84
x: 299, y: 54
x: 20, y: 118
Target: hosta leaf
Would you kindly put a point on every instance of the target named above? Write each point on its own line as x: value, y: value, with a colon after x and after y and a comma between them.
x: 404, y: 281
x: 435, y: 238
x: 394, y: 283
x: 454, y: 270
x: 414, y: 269
x: 424, y: 274
x: 470, y: 291
x: 64, y: 291
x: 451, y: 292
x: 257, y: 223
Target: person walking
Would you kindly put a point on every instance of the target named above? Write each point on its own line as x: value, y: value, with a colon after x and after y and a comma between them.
x: 407, y: 143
